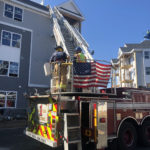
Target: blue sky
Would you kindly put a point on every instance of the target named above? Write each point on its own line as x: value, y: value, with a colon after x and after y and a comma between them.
x: 109, y: 24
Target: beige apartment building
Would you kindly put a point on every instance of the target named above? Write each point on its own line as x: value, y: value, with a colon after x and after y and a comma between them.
x: 132, y: 67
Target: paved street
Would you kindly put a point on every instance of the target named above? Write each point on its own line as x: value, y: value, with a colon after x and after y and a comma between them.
x: 14, y: 139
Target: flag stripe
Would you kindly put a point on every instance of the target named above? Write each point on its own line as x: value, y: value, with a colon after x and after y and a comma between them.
x: 90, y: 80
x: 91, y: 76
x: 89, y: 85
x: 99, y: 64
x: 99, y: 67
x: 100, y: 71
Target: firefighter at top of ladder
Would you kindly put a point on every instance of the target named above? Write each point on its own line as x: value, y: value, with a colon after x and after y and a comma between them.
x: 58, y: 58
x: 79, y: 57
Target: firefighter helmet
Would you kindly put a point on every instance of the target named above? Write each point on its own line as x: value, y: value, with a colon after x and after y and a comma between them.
x: 78, y: 49
x: 59, y: 48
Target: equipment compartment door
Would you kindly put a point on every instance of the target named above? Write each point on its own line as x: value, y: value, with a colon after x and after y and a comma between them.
x: 102, y: 125
x: 85, y: 119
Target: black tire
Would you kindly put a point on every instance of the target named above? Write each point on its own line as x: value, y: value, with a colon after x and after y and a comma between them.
x: 112, y: 145
x: 145, y: 134
x: 127, y: 138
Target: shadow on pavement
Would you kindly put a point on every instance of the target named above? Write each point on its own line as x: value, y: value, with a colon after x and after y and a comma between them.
x: 14, y: 139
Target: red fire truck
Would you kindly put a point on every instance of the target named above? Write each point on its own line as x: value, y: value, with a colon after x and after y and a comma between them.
x: 91, y: 120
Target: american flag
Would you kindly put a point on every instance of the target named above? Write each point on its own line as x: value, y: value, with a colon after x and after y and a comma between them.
x: 92, y: 74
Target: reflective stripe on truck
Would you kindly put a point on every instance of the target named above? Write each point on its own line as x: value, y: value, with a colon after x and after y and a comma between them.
x: 41, y: 139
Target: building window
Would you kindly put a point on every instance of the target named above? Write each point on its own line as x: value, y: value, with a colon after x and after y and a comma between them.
x: 4, y: 68
x: 9, y: 11
x: 6, y: 38
x: 18, y: 14
x: 13, y: 12
x: 10, y: 69
x: 147, y: 69
x: 16, y: 39
x: 11, y: 39
x: 147, y: 54
x: 8, y: 99
x: 130, y: 75
x: 13, y: 69
x: 131, y: 59
x: 148, y: 85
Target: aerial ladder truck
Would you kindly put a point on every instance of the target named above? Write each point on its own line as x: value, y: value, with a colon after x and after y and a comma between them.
x: 91, y: 118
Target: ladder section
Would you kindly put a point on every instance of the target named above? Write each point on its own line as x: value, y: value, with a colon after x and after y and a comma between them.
x: 57, y: 32
x: 72, y: 130
x: 69, y: 41
x: 72, y: 35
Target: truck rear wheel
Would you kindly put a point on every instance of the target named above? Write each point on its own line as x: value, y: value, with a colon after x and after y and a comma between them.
x: 112, y: 145
x: 145, y: 134
x: 127, y: 137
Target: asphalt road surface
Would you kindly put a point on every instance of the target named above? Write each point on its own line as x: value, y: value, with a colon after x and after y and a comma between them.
x: 14, y: 139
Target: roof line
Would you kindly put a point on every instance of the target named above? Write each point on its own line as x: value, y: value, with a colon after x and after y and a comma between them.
x: 74, y: 4
x: 70, y: 11
x: 29, y: 6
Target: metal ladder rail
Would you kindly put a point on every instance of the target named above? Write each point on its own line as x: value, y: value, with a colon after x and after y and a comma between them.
x: 81, y: 37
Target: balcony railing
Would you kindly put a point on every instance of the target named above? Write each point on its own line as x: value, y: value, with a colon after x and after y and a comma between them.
x: 127, y: 81
x: 126, y: 66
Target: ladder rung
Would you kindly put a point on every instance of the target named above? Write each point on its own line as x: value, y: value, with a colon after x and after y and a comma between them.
x: 73, y: 127
x: 71, y: 142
